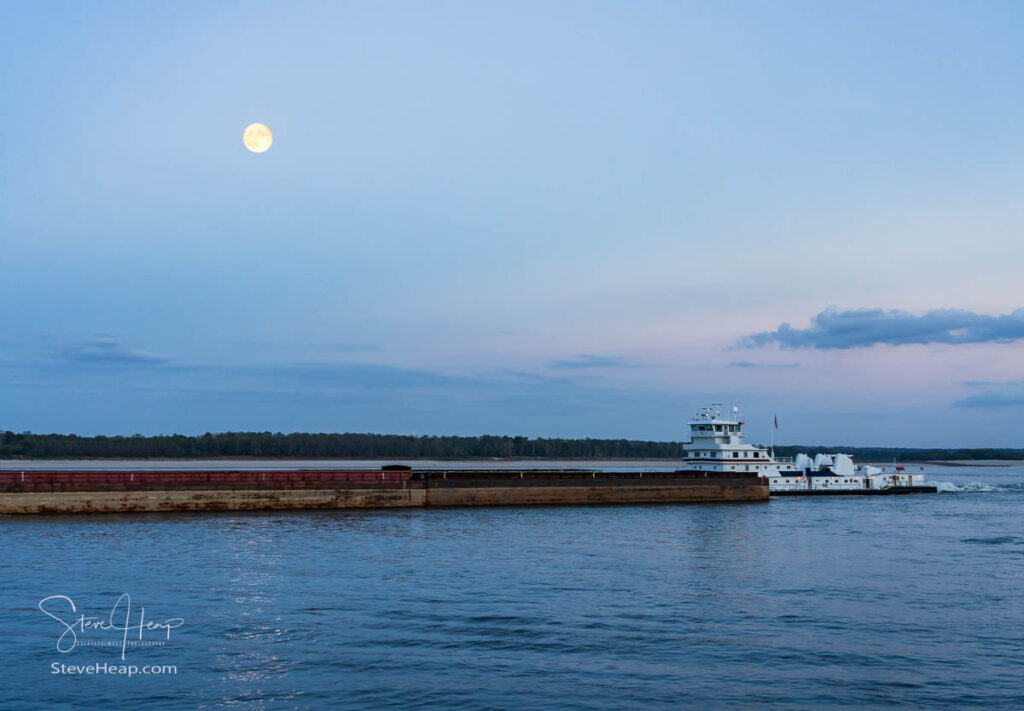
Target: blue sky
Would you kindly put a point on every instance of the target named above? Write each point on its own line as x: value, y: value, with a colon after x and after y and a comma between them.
x: 561, y: 219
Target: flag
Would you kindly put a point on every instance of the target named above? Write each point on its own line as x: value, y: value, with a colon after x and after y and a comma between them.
x: 776, y: 422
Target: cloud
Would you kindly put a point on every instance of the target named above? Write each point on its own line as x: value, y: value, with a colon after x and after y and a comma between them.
x: 1009, y: 395
x: 351, y: 347
x: 589, y: 360
x: 330, y: 347
x: 49, y: 385
x: 344, y: 375
x: 992, y: 383
x: 107, y: 350
x: 318, y: 375
x: 751, y: 364
x: 537, y: 379
x: 862, y: 328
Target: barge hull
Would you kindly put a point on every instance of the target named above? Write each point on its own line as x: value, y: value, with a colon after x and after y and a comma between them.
x: 205, y: 500
x: 52, y: 492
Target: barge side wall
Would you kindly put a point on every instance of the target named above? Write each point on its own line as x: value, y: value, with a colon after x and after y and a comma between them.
x: 44, y: 492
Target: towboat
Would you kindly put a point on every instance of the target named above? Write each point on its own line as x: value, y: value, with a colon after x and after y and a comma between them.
x: 716, y: 445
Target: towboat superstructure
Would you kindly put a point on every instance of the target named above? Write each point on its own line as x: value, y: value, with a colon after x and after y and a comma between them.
x: 716, y: 445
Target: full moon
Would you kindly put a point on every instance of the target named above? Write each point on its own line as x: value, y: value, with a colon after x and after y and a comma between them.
x: 257, y: 138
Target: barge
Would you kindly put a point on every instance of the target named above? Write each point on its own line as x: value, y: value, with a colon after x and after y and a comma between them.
x: 91, y: 491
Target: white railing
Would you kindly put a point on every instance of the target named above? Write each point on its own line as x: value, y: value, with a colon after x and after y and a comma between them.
x: 822, y: 486
x: 787, y: 486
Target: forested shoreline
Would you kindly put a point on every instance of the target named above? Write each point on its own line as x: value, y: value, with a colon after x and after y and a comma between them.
x: 299, y: 445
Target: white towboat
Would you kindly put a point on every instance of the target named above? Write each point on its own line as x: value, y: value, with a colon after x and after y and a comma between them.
x: 716, y: 444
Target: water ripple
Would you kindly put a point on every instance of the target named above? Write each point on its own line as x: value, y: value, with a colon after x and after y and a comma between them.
x: 839, y: 603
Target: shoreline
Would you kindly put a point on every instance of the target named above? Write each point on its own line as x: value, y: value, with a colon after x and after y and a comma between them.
x: 421, y: 462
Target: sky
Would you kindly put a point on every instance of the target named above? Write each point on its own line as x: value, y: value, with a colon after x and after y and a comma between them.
x: 550, y: 219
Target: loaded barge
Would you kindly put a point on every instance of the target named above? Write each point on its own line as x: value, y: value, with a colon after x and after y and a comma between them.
x: 91, y: 491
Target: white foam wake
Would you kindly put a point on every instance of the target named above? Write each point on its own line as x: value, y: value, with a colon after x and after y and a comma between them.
x: 946, y: 487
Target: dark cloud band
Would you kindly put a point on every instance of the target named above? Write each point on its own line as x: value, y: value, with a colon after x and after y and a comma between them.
x: 1011, y: 396
x: 750, y: 364
x: 107, y: 350
x: 589, y: 360
x: 861, y: 328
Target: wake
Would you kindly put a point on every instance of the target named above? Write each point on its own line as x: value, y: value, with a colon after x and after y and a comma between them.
x: 975, y: 487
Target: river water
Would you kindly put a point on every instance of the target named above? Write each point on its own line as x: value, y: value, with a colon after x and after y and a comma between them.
x: 838, y: 602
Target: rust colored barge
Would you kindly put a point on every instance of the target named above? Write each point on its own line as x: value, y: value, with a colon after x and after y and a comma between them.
x: 86, y: 491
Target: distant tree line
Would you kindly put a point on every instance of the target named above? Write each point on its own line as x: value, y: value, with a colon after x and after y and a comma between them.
x: 299, y: 445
